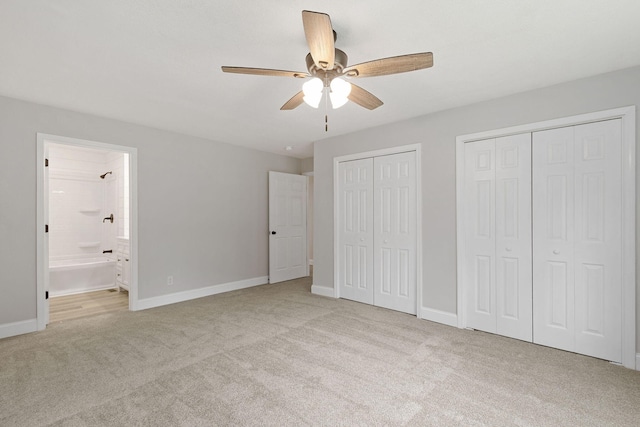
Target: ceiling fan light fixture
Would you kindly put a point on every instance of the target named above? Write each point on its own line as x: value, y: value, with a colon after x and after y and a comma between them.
x: 340, y: 91
x: 313, y: 100
x: 340, y: 87
x: 312, y: 90
x: 337, y: 101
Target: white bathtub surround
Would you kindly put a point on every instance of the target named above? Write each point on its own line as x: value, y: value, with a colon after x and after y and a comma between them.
x: 74, y: 276
x: 85, y: 188
x: 79, y: 200
x: 75, y: 210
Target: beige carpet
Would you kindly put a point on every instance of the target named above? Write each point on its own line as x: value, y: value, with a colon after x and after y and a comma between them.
x: 277, y: 355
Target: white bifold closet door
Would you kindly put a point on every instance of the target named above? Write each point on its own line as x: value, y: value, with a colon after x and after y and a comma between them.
x: 377, y: 231
x: 577, y: 258
x: 355, y: 269
x: 498, y: 238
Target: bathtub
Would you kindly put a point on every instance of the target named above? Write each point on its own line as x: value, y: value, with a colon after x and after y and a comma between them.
x: 81, y: 275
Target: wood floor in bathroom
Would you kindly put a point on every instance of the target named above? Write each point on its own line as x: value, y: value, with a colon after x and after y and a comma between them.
x: 87, y: 304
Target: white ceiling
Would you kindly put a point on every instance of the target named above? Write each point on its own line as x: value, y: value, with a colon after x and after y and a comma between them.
x: 157, y: 63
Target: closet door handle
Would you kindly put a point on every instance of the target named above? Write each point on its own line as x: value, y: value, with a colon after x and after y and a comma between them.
x: 556, y: 251
x: 362, y: 239
x: 508, y: 249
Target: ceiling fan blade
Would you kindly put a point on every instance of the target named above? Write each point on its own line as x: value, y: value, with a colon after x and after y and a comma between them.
x: 294, y: 102
x: 364, y: 98
x: 320, y: 38
x: 264, y: 72
x: 392, y: 65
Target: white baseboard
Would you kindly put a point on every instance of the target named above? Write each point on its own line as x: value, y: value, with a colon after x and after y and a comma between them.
x: 18, y: 328
x: 161, y: 300
x: 438, y: 316
x: 322, y: 291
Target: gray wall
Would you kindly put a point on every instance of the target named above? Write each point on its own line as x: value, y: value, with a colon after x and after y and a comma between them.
x: 306, y: 165
x: 437, y: 134
x: 202, y: 205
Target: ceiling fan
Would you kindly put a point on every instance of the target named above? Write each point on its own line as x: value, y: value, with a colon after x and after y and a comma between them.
x: 327, y: 66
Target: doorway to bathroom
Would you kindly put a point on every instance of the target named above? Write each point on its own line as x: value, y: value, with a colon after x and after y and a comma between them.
x: 87, y: 228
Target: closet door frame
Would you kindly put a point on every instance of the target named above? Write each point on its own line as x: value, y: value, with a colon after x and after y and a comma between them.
x: 336, y: 214
x: 628, y: 162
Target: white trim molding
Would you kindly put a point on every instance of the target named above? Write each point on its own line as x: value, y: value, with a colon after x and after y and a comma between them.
x: 323, y: 291
x: 439, y: 316
x: 18, y: 328
x: 637, y: 361
x: 628, y: 118
x: 176, y: 297
x: 417, y: 147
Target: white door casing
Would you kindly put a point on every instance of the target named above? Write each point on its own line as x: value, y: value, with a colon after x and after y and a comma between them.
x: 42, y: 218
x: 44, y: 320
x: 394, y: 237
x: 287, y: 226
x: 355, y: 209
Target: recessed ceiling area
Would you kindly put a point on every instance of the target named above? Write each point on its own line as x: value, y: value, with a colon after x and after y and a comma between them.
x: 158, y: 63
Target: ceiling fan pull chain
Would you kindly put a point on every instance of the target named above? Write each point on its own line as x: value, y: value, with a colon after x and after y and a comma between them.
x: 326, y: 110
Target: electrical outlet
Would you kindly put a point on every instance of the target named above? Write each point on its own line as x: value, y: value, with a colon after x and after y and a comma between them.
x: 169, y: 280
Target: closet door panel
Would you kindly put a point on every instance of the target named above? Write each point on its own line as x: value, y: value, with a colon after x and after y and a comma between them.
x: 355, y: 258
x: 598, y: 240
x: 480, y: 262
x: 395, y: 228
x: 513, y: 236
x: 553, y: 253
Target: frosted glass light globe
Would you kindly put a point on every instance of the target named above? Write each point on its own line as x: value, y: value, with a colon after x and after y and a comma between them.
x: 340, y: 91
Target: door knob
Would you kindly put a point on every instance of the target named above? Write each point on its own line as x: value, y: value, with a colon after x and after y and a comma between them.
x: 386, y: 241
x: 362, y: 239
x: 273, y: 232
x: 508, y: 249
x: 556, y: 251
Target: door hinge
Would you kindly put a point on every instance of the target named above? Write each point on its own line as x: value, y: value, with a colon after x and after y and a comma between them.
x: 46, y: 295
x: 46, y: 163
x: 46, y: 228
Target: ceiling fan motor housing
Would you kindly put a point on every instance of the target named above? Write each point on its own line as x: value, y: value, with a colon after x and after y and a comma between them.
x: 327, y: 75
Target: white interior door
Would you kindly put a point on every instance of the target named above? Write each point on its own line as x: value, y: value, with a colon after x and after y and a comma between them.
x: 480, y: 235
x: 287, y: 227
x: 355, y: 262
x: 553, y: 255
x: 577, y: 239
x: 498, y: 224
x: 598, y: 240
x: 395, y: 232
x: 513, y: 236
